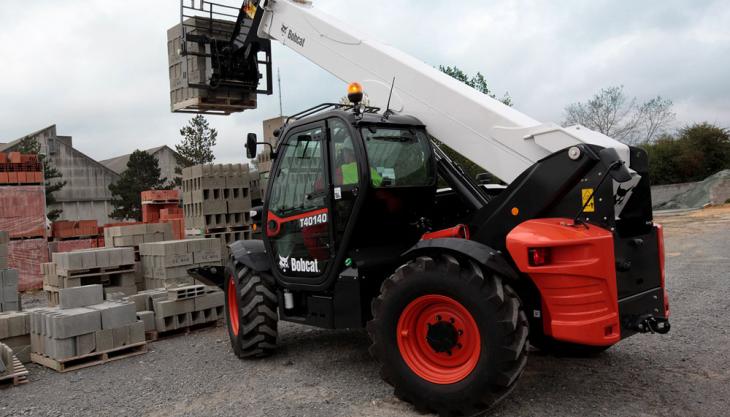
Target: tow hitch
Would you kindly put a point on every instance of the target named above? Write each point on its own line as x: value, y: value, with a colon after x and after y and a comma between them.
x: 651, y: 324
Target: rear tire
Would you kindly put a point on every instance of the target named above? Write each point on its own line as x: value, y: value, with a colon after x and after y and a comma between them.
x: 251, y: 311
x: 471, y: 366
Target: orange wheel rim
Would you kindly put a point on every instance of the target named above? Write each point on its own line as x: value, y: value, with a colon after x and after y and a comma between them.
x: 438, y: 339
x: 233, y: 305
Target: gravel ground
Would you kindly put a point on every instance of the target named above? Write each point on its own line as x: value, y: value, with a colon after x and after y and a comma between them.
x: 329, y: 373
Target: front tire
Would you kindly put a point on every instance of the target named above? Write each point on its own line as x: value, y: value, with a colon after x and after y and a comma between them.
x: 251, y: 311
x: 449, y: 338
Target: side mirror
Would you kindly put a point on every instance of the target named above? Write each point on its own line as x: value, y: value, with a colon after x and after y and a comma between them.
x: 251, y: 146
x: 615, y: 166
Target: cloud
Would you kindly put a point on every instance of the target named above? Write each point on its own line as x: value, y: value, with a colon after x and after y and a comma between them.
x: 98, y: 69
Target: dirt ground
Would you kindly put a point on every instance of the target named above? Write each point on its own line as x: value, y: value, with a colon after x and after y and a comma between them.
x: 329, y: 373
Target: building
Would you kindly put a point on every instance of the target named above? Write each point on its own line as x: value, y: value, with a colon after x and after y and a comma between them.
x: 166, y: 157
x: 86, y: 195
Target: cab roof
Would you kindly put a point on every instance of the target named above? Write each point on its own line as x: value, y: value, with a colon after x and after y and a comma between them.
x: 370, y: 115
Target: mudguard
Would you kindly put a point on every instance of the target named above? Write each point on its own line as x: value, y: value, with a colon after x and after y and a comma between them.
x: 251, y: 253
x: 491, y: 259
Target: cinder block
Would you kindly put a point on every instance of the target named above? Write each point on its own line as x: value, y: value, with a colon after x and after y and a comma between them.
x: 11, y: 306
x: 185, y: 320
x: 169, y: 308
x: 164, y: 324
x: 81, y: 296
x: 115, y: 314
x: 148, y: 319
x: 85, y: 344
x: 209, y: 300
x: 13, y: 324
x: 136, y: 333
x: 197, y: 317
x: 4, y: 328
x: 121, y: 336
x: 184, y: 292
x: 104, y: 340
x: 64, y: 348
x: 120, y: 291
x: 73, y: 322
x: 9, y: 278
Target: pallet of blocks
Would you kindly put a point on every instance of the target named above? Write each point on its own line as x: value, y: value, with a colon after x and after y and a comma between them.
x: 12, y: 371
x: 175, y: 310
x: 217, y: 201
x: 84, y: 330
x: 9, y: 298
x: 113, y: 268
x: 166, y: 264
x: 15, y: 333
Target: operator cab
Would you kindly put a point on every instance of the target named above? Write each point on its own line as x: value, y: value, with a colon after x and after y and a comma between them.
x: 345, y: 180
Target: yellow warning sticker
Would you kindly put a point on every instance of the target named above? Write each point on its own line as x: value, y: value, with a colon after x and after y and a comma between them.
x: 587, y: 193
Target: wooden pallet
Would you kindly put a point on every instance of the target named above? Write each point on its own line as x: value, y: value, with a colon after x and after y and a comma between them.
x: 19, y: 376
x: 93, y: 272
x: 154, y: 335
x: 92, y: 359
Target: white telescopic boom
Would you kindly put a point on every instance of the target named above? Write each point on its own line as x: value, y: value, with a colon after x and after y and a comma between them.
x: 496, y: 137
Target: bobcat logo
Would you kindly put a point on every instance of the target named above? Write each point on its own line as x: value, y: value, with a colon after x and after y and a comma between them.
x: 284, y: 29
x: 283, y: 263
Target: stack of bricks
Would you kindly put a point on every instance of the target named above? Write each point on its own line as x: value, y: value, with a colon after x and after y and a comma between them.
x: 217, y: 201
x: 174, y: 216
x: 114, y: 268
x: 74, y: 235
x: 4, y: 239
x: 9, y: 300
x: 155, y: 200
x: 166, y: 264
x: 163, y: 310
x: 83, y: 324
x: 15, y: 333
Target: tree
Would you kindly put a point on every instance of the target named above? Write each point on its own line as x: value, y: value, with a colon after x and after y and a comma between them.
x: 612, y: 113
x: 29, y: 145
x: 478, y: 82
x: 197, y: 144
x: 143, y: 173
x: 696, y: 152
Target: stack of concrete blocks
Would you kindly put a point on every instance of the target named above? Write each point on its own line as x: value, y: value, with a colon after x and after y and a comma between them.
x: 84, y: 324
x: 133, y: 236
x: 164, y: 310
x: 15, y: 333
x: 6, y: 360
x: 114, y: 268
x: 166, y: 264
x: 217, y: 201
x: 9, y: 298
x: 196, y: 68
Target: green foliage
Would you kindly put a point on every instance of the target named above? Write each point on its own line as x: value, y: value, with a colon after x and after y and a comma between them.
x: 29, y: 145
x: 196, y: 147
x: 478, y: 82
x: 695, y: 153
x: 142, y: 174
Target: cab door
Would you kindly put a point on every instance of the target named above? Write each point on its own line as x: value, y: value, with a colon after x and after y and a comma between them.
x: 297, y: 211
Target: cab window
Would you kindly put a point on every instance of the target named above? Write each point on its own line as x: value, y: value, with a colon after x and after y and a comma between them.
x: 398, y: 157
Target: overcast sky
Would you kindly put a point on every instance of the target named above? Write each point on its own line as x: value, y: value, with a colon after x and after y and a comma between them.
x: 98, y: 69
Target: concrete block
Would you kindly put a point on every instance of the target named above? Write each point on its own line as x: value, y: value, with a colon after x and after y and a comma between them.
x: 169, y: 308
x: 197, y: 317
x: 11, y: 306
x: 185, y: 292
x: 136, y: 333
x: 164, y: 324
x: 121, y: 291
x: 4, y: 328
x: 115, y: 314
x: 209, y: 300
x: 81, y: 296
x: 139, y: 300
x: 120, y: 336
x: 171, y: 282
x: 185, y: 320
x: 207, y: 256
x: 104, y: 340
x: 9, y: 278
x: 13, y: 324
x: 61, y: 348
x: 148, y: 319
x: 69, y: 323
x: 85, y: 344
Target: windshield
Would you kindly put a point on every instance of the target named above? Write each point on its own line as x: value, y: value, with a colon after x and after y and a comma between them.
x: 398, y: 157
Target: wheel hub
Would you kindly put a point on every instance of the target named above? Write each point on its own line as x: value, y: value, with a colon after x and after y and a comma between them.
x: 442, y: 337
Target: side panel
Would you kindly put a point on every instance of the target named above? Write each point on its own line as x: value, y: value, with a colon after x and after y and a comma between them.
x: 578, y: 281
